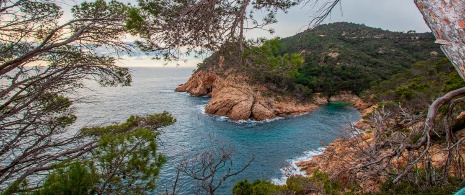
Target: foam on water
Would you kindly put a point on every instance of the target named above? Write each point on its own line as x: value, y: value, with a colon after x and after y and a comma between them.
x: 297, y: 115
x: 201, y: 108
x: 292, y: 169
x: 167, y: 91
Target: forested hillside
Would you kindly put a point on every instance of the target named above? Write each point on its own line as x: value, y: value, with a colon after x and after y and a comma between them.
x: 347, y: 56
x: 417, y: 87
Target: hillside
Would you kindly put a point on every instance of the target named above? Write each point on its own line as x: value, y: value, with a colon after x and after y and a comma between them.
x: 417, y: 87
x: 346, y: 56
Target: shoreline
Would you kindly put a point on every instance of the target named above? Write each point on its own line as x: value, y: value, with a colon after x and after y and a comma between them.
x: 234, y: 97
x: 293, y: 169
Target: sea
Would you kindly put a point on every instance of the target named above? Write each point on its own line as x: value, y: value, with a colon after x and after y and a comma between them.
x: 274, y: 145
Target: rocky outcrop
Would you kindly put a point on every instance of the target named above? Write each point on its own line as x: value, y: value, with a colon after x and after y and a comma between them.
x: 341, y: 158
x: 319, y: 98
x: 347, y: 96
x: 235, y: 98
x: 343, y: 96
x: 200, y: 84
x: 338, y: 159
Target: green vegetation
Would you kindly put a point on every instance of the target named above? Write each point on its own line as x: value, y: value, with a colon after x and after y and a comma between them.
x: 351, y: 57
x: 319, y: 182
x: 266, y: 65
x: 417, y: 87
x: 123, y: 158
x: 125, y: 161
x: 412, y: 188
x: 414, y: 87
x: 329, y: 58
x: 74, y: 179
x: 258, y: 187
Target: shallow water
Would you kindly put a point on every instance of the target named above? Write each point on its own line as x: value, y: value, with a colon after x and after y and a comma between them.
x: 274, y: 144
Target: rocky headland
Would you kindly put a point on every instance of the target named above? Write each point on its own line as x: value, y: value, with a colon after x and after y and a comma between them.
x: 235, y: 97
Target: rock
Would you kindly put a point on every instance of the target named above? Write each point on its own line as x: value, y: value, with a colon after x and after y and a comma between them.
x: 318, y: 98
x: 260, y: 112
x: 347, y: 96
x: 230, y: 102
x: 362, y: 125
x: 291, y: 108
x: 235, y: 98
x: 200, y: 84
x: 359, y: 104
x: 344, y: 96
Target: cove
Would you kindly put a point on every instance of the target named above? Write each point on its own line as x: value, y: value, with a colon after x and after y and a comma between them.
x: 274, y: 144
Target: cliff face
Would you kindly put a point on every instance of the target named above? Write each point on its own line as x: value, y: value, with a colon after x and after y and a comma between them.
x: 235, y: 98
x: 199, y: 84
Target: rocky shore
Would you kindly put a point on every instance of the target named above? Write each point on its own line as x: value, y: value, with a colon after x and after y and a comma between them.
x: 340, y: 157
x: 234, y: 97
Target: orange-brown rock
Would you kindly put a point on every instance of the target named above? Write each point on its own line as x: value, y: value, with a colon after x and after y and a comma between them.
x: 235, y: 98
x: 347, y: 96
x: 345, y: 154
x: 318, y: 98
x: 338, y: 159
x: 200, y: 84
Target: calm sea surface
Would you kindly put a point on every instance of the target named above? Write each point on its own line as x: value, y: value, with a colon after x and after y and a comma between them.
x: 274, y: 144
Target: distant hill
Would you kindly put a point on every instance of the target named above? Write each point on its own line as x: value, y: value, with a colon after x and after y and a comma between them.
x: 347, y: 56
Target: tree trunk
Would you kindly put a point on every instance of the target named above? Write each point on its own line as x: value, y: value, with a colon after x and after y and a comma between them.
x: 446, y: 18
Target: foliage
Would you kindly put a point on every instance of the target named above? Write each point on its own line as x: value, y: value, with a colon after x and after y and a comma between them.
x: 350, y: 57
x: 417, y: 87
x: 74, y: 179
x: 125, y: 160
x: 266, y: 66
x: 416, y: 118
x: 44, y: 62
x: 198, y: 27
x: 258, y: 187
x: 327, y: 59
x: 406, y: 187
x: 319, y: 182
x: 322, y: 180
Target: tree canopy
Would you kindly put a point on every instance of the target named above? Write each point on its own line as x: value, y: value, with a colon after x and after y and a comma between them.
x: 43, y: 62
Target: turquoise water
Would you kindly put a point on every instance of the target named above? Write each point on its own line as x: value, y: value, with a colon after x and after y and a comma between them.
x: 274, y: 144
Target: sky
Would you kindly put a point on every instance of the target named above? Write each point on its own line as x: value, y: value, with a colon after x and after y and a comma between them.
x: 393, y: 15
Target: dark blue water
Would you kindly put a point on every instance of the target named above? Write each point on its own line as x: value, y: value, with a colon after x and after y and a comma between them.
x: 274, y: 144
